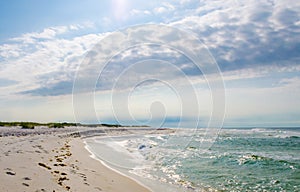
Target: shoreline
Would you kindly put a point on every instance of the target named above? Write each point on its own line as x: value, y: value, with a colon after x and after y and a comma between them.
x: 119, y: 181
x: 151, y: 184
x: 92, y: 155
x: 55, y: 160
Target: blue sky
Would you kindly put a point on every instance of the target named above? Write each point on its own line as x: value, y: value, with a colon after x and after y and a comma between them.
x: 256, y: 45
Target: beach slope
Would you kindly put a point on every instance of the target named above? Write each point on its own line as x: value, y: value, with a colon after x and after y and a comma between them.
x: 53, y: 162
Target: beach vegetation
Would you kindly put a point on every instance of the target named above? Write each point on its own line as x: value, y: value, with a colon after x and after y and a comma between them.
x: 31, y: 125
x: 27, y: 126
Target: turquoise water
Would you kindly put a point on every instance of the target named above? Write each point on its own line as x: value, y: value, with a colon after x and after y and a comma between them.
x: 239, y: 159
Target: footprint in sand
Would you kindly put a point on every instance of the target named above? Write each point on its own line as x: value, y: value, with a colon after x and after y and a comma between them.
x: 98, y: 188
x: 59, y: 160
x: 61, y: 179
x: 42, y: 190
x: 45, y: 166
x: 26, y: 178
x: 25, y: 184
x: 9, y: 171
x: 57, y: 172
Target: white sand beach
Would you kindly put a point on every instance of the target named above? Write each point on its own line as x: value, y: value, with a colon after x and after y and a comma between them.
x: 52, y: 160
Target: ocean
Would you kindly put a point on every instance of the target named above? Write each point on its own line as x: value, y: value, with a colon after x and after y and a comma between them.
x: 256, y: 159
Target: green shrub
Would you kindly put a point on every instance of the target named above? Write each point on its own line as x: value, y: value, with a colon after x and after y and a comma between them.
x: 55, y: 125
x: 27, y: 126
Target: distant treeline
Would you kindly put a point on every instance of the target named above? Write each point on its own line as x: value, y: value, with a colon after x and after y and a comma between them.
x: 31, y: 125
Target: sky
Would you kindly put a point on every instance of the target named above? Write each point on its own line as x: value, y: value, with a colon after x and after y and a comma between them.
x: 45, y: 47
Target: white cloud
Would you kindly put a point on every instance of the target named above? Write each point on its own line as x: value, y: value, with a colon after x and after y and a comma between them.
x: 137, y: 12
x: 10, y: 51
x: 166, y: 7
x: 243, y: 34
x: 32, y: 57
x: 249, y: 40
x: 229, y: 29
x: 159, y: 10
x: 169, y: 6
x: 48, y: 33
x: 292, y: 84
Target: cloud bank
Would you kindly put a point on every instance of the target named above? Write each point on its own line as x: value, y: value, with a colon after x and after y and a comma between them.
x: 255, y: 43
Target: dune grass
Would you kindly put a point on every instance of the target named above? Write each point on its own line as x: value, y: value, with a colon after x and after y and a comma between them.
x: 31, y: 125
